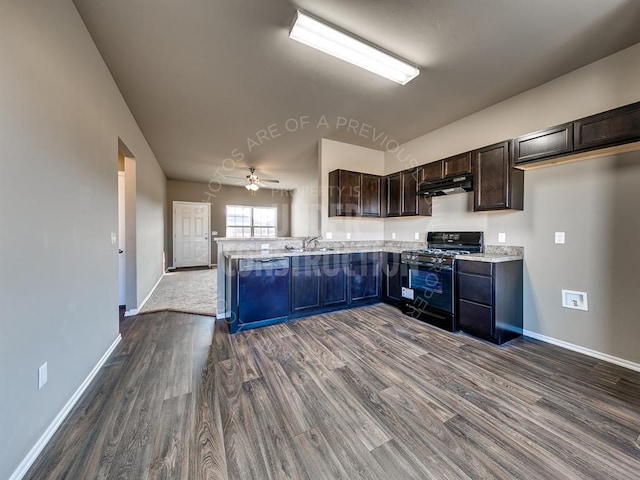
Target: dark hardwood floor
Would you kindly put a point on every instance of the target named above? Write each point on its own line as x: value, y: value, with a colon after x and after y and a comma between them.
x: 366, y: 393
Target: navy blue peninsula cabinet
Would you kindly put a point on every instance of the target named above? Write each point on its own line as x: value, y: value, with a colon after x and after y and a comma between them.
x: 318, y: 283
x: 268, y: 290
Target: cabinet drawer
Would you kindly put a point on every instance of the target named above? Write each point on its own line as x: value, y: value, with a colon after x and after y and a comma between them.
x: 477, y: 268
x: 475, y: 288
x: 478, y: 318
x: 305, y: 261
x: 370, y: 257
x: 335, y: 259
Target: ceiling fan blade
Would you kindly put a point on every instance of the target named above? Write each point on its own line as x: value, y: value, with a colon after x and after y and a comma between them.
x: 238, y: 178
x: 269, y: 181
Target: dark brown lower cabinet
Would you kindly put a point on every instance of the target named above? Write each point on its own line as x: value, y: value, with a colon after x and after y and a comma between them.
x: 391, y: 279
x: 490, y: 299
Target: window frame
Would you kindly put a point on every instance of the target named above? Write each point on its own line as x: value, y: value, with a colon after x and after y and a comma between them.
x: 252, y: 225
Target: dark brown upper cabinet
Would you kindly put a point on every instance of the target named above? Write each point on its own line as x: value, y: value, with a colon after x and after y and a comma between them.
x: 371, y: 195
x: 447, y: 168
x: 393, y: 195
x: 456, y: 165
x: 497, y: 185
x: 401, y: 195
x: 430, y: 171
x: 409, y: 187
x: 614, y: 127
x: 545, y: 144
x: 354, y: 194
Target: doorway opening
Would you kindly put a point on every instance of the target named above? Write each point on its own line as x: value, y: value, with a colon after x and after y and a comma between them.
x: 127, y: 271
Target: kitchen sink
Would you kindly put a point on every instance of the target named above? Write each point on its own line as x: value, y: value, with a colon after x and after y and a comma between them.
x: 301, y: 250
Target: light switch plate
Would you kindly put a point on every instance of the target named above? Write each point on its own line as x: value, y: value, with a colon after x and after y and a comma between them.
x: 264, y: 246
x: 416, y: 235
x: 348, y: 235
x: 502, y: 238
x: 393, y: 235
x: 214, y: 233
x: 42, y: 375
x: 559, y: 237
x: 328, y: 235
x: 114, y: 238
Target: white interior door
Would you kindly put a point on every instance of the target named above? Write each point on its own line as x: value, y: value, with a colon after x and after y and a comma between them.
x: 191, y: 245
x: 122, y: 259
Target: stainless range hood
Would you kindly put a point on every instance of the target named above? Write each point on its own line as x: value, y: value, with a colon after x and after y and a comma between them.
x: 446, y: 186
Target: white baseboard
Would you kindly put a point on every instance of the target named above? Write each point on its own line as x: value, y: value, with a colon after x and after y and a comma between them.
x: 51, y: 429
x: 586, y: 351
x: 146, y: 299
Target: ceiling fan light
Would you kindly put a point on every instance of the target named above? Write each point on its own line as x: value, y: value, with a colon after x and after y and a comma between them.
x: 252, y: 187
x: 314, y: 33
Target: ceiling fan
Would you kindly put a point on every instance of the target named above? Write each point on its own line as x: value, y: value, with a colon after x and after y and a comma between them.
x: 254, y: 182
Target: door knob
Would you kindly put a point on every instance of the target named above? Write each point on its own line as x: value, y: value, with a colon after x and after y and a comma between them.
x: 120, y: 250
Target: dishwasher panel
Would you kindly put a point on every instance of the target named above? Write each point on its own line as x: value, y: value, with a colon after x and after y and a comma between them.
x: 263, y: 289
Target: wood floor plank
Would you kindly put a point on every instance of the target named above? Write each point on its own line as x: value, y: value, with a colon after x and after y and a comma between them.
x: 208, y: 458
x: 283, y: 458
x: 319, y: 460
x: 241, y: 351
x: 245, y: 455
x: 284, y: 395
x: 170, y: 460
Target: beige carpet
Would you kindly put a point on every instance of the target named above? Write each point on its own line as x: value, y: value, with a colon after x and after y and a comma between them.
x: 190, y: 291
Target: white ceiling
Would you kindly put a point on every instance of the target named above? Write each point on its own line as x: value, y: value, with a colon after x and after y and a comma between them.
x: 203, y: 76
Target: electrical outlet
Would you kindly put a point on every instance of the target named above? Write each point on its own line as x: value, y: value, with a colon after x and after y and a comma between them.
x: 559, y: 237
x: 328, y: 236
x: 416, y: 235
x: 214, y: 233
x: 393, y: 235
x: 42, y: 375
x: 502, y: 238
x: 264, y: 246
x: 114, y: 238
x: 348, y: 235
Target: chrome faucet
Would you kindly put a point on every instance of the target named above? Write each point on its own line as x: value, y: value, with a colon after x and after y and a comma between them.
x: 307, y: 240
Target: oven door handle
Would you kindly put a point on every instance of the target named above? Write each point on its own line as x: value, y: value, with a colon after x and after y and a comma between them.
x: 446, y: 268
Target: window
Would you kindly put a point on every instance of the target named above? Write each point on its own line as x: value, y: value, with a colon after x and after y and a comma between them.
x: 248, y: 222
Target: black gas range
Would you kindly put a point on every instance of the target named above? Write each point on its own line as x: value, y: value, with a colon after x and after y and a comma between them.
x: 428, y: 276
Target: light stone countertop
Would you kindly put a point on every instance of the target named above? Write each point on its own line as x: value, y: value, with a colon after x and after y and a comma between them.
x: 250, y: 254
x: 489, y: 257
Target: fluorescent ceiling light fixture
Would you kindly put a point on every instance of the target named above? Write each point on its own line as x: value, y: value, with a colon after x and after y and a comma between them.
x: 328, y: 39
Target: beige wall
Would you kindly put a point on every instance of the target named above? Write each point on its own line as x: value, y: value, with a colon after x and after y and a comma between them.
x: 595, y: 202
x: 338, y: 155
x: 305, y: 211
x: 219, y: 198
x: 60, y: 120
